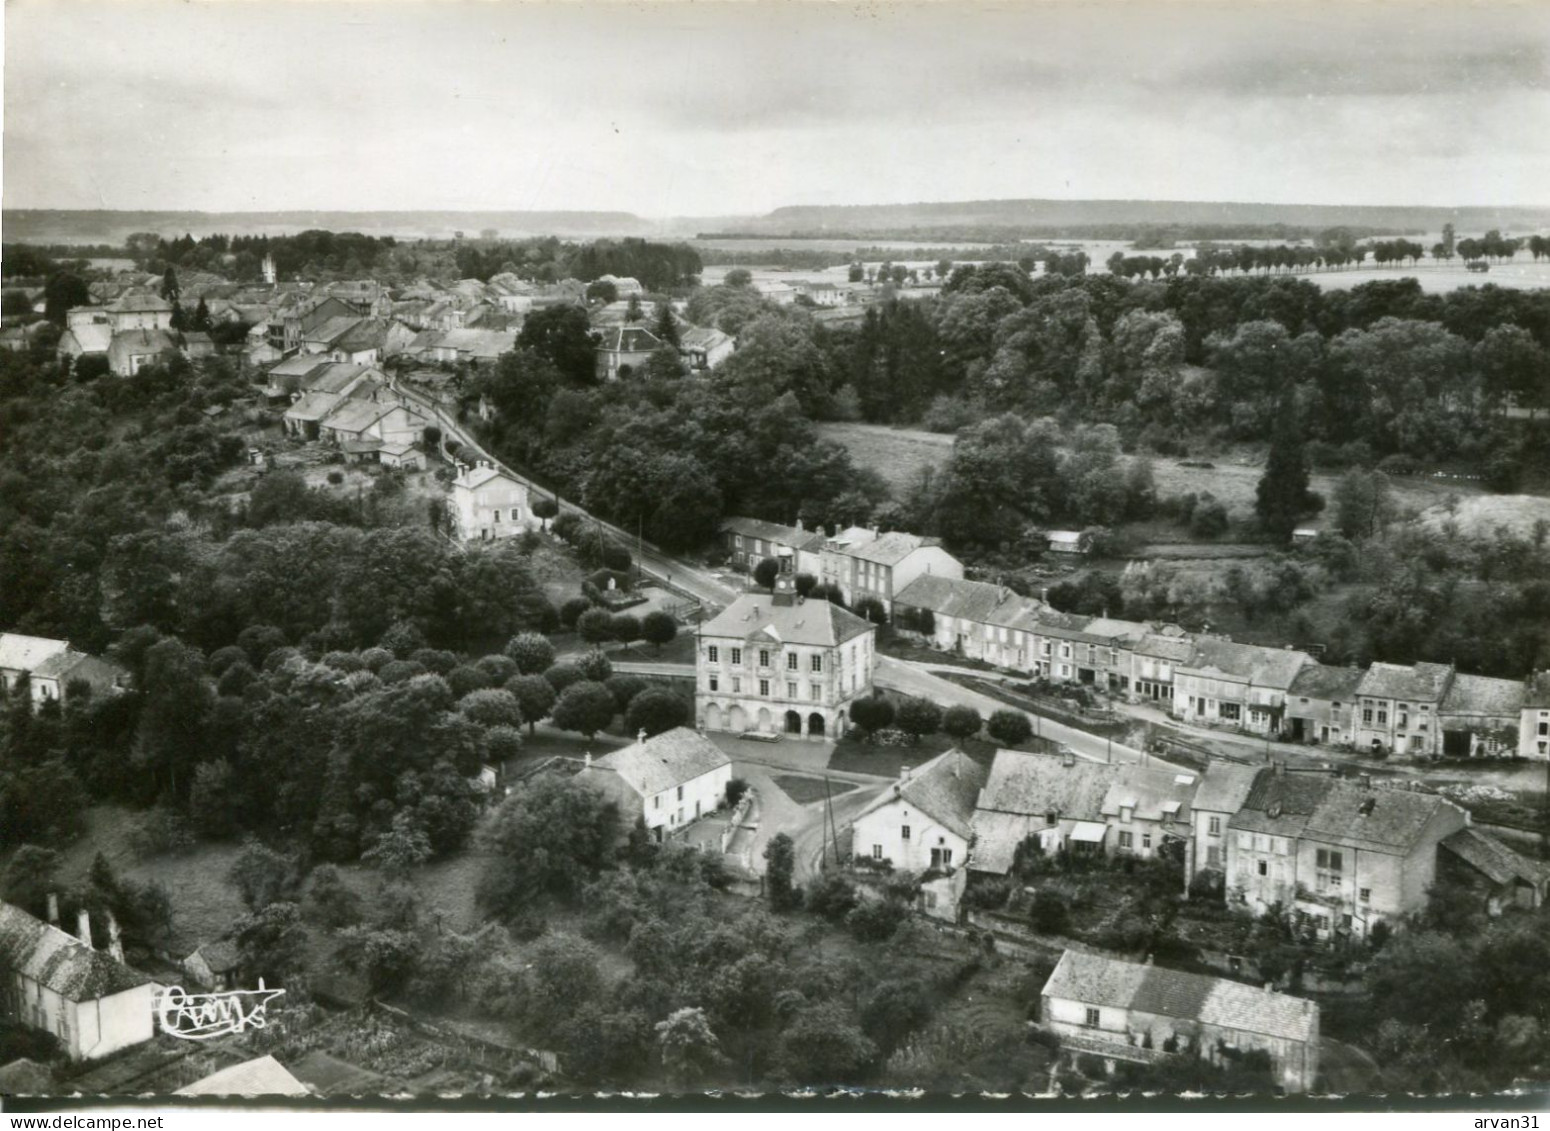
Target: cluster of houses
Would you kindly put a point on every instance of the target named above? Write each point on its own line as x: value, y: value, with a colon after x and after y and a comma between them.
x: 1338, y: 855
x: 1416, y: 711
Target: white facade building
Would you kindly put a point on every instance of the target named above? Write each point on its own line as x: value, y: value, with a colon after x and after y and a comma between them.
x: 487, y: 504
x: 668, y: 781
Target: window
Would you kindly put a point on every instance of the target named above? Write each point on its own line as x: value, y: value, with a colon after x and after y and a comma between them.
x: 1146, y: 840
x: 1330, y: 866
x: 1383, y: 717
x: 714, y: 683
x: 1050, y: 818
x: 791, y: 661
x: 1126, y: 839
x: 817, y: 662
x: 1245, y: 840
x: 764, y: 658
x: 877, y: 852
x: 1366, y: 715
x: 904, y: 832
x: 680, y: 793
x: 1125, y: 813
x: 1214, y: 857
x: 497, y: 516
x: 764, y: 687
x: 1092, y: 1017
x: 791, y: 690
x: 737, y: 685
x: 1231, y: 711
x: 1262, y: 867
x: 1366, y: 895
x: 1216, y: 826
x: 656, y: 802
x: 737, y: 655
x: 816, y: 690
x: 713, y: 654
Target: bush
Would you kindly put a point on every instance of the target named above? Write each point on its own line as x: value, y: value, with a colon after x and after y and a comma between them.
x: 1209, y: 519
x: 1399, y: 464
x: 918, y: 717
x: 626, y: 628
x: 596, y: 626
x: 437, y: 660
x: 656, y: 710
x: 617, y: 558
x: 872, y: 714
x: 571, y: 611
x: 568, y: 527
x: 1048, y: 913
x: 1009, y: 727
x: 876, y: 920
x: 562, y: 675
x: 658, y: 628
x: 962, y: 722
x: 735, y: 790
x: 464, y: 679
x: 595, y: 666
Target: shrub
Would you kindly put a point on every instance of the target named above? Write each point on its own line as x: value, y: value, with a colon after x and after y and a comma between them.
x: 465, y: 678
x: 962, y: 722
x: 872, y: 714
x: 1399, y: 464
x: 401, y: 671
x: 437, y: 660
x: 656, y: 710
x: 567, y: 527
x: 765, y: 572
x: 1048, y: 913
x: 502, y: 743
x: 1209, y: 519
x: 375, y: 658
x: 336, y: 478
x: 625, y: 688
x: 595, y: 626
x: 626, y: 628
x: 571, y: 611
x: 872, y: 609
x: 617, y: 558
x: 595, y: 666
x: 876, y: 920
x: 833, y: 896
x: 918, y: 717
x: 735, y: 790
x: 561, y: 676
x: 1009, y: 727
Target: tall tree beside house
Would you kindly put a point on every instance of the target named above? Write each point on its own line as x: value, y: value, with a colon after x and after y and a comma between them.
x: 175, y: 715
x: 780, y: 868
x: 202, y: 316
x: 548, y: 838
x: 179, y: 316
x: 61, y: 293
x: 666, y: 328
x: 169, y: 286
x: 632, y: 310
x: 1282, y: 496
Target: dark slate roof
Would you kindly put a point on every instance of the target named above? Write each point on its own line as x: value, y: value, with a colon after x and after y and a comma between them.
x: 220, y: 956
x: 1261, y: 666
x: 60, y: 961
x: 1178, y: 649
x: 945, y: 788
x: 1493, y: 859
x: 772, y: 532
x: 1384, y: 820
x: 891, y: 548
x: 1482, y: 695
x: 1326, y: 681
x: 1225, y: 787
x: 1036, y: 784
x: 958, y: 597
x: 629, y: 339
x: 1424, y: 683
x: 1281, y: 803
x: 817, y: 622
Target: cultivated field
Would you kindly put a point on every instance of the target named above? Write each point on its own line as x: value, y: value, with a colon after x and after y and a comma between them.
x: 1522, y: 274
x: 898, y: 454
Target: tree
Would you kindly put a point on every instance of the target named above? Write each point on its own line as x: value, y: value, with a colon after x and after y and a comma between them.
x: 918, y: 717
x: 532, y: 652
x: 571, y: 610
x: 595, y: 626
x: 535, y: 697
x: 624, y: 689
x: 779, y: 868
x: 962, y: 722
x: 1363, y: 503
x: 656, y: 710
x: 594, y: 666
x: 545, y: 508
x: 262, y: 876
x: 666, y: 327
x: 872, y: 714
x: 330, y: 901
x: 689, y: 1047
x: 872, y: 609
x: 765, y: 573
x: 201, y: 320
x: 272, y: 942
x: 1282, y: 497
x: 548, y: 838
x: 491, y: 706
x: 824, y: 1046
x: 62, y: 293
x: 626, y: 628
x: 562, y: 675
x: 169, y: 285
x: 562, y: 336
x: 400, y: 849
x: 632, y: 310
x: 30, y: 877
x: 658, y: 628
x: 603, y: 291
x: 584, y: 707
x: 1009, y: 727
x: 832, y: 895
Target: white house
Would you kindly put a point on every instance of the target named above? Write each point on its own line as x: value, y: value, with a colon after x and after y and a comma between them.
x: 668, y: 781
x: 1223, y: 790
x: 58, y: 983
x: 1534, y: 717
x: 1054, y: 799
x: 925, y: 820
x: 864, y: 563
x: 703, y: 348
x: 486, y: 503
x: 1146, y: 808
x: 776, y: 663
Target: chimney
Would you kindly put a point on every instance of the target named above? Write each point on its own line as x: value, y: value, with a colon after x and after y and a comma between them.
x: 1307, y: 1006
x: 1269, y: 987
x: 1067, y: 756
x: 799, y: 522
x: 1280, y: 769
x: 904, y: 773
x: 53, y: 908
x: 640, y: 735
x: 1044, y: 594
x: 83, y: 926
x: 115, y: 940
x: 587, y: 761
x: 1149, y: 960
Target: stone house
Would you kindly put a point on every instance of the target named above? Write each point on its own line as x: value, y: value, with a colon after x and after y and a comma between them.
x: 130, y: 350
x: 1154, y: 658
x: 1321, y: 704
x: 1056, y: 799
x: 1129, y: 1011
x: 1238, y: 685
x: 778, y: 664
x: 1398, y: 708
x: 703, y: 348
x: 668, y: 781
x: 486, y: 503
x: 1223, y: 790
x: 1480, y: 716
x: 1534, y: 718
x: 748, y: 541
x: 1262, y: 837
x: 1504, y: 879
x: 624, y: 350
x: 864, y: 563
x: 1146, y: 808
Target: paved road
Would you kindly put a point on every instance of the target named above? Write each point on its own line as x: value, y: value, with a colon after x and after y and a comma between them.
x: 916, y: 679
x: 632, y: 667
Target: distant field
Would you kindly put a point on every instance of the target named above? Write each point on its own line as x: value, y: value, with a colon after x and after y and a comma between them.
x: 1520, y: 275
x: 898, y: 455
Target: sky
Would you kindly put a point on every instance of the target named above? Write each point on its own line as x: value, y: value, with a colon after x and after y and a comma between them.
x: 709, y: 109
